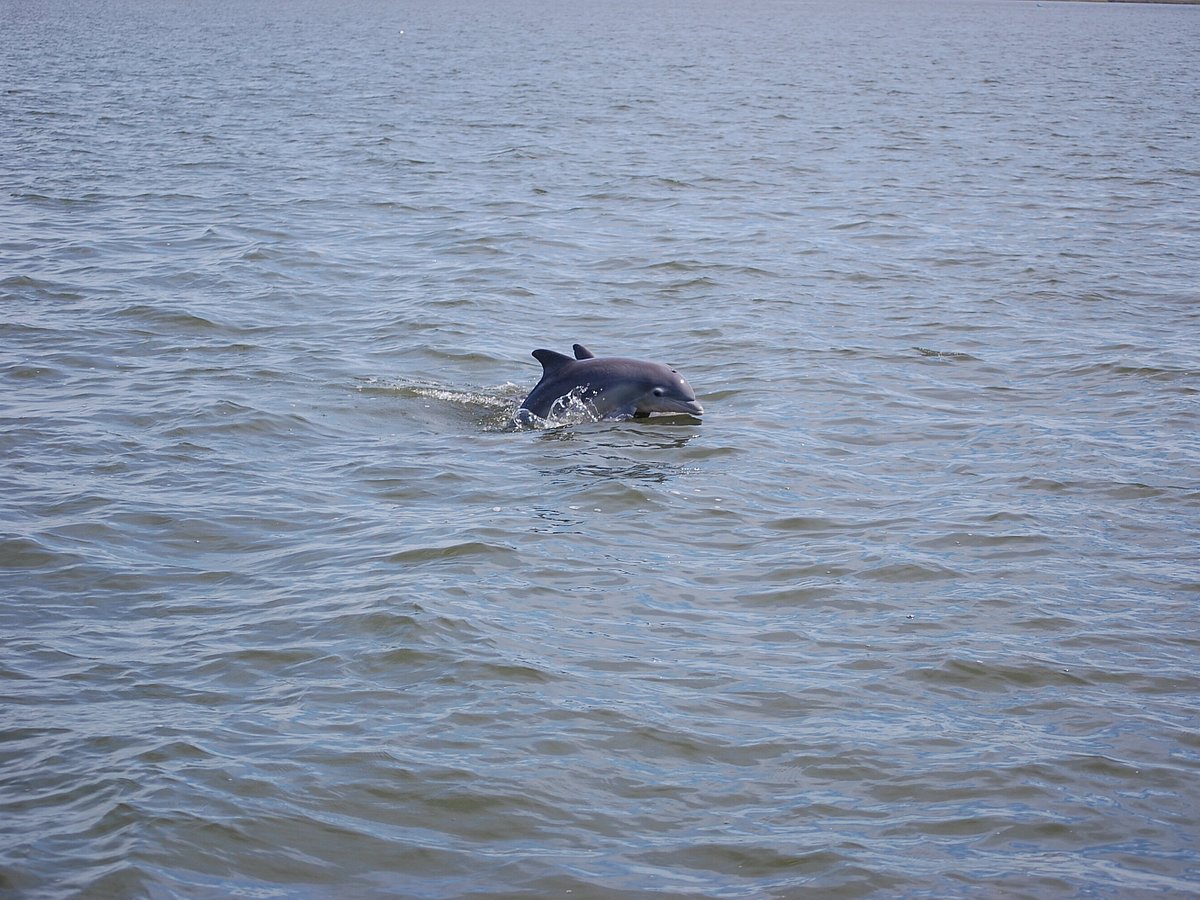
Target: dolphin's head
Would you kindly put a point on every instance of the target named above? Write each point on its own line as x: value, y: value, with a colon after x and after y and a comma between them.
x: 662, y: 389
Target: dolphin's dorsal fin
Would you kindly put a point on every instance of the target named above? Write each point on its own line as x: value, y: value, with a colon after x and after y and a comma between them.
x: 582, y: 352
x: 551, y: 361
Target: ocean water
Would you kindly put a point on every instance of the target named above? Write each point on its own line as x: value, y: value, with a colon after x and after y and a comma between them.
x: 289, y: 609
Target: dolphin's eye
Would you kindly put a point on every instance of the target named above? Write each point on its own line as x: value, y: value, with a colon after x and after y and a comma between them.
x: 658, y: 392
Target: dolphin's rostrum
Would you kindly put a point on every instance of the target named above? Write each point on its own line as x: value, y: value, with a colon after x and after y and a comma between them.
x: 612, y: 387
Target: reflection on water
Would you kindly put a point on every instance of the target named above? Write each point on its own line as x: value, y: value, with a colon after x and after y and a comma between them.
x: 645, y: 451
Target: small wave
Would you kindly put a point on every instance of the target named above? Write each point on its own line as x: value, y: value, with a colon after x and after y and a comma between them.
x: 25, y: 553
x: 227, y: 416
x: 947, y: 355
x: 415, y: 555
x: 490, y: 407
x: 440, y: 393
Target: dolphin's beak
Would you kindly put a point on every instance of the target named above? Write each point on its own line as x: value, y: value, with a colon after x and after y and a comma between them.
x: 673, y: 405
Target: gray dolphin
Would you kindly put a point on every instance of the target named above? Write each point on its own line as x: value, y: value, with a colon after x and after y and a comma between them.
x: 615, y: 388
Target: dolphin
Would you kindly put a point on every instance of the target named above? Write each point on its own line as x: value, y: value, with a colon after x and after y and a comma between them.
x: 614, y: 387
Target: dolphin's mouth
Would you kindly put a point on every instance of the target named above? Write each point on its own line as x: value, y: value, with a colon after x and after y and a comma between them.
x: 692, y: 407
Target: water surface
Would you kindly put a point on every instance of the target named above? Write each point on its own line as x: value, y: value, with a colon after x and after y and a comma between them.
x: 288, y: 609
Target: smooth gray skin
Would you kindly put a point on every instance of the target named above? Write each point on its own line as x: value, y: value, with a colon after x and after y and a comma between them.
x: 617, y: 388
